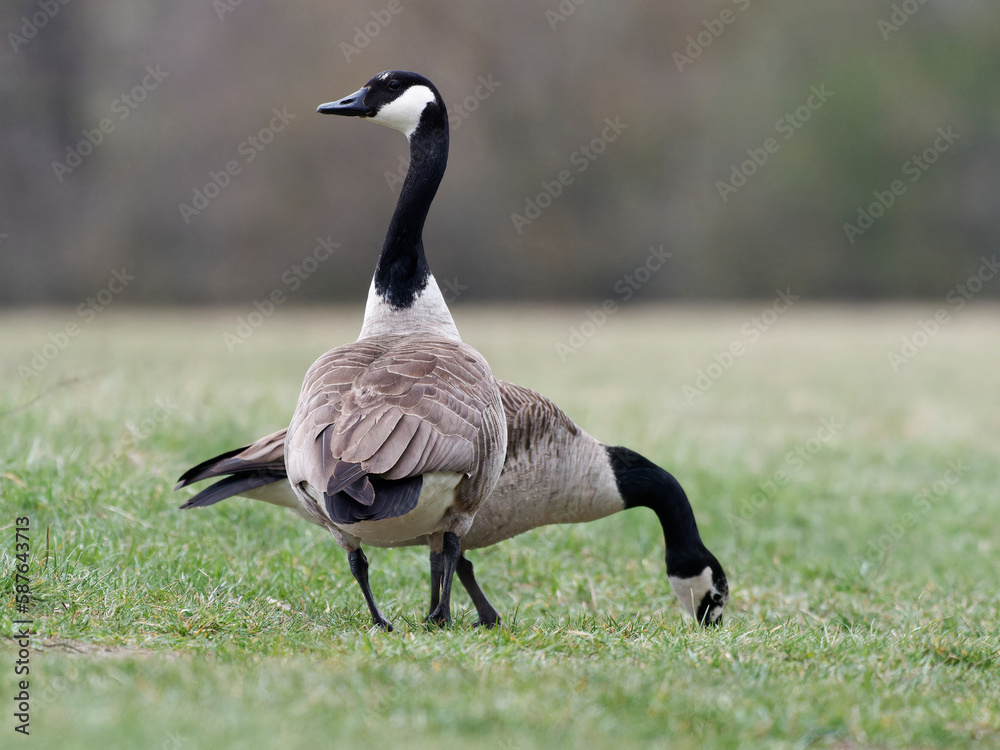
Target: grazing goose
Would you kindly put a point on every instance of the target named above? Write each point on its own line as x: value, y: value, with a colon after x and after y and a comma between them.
x: 553, y: 472
x: 400, y: 435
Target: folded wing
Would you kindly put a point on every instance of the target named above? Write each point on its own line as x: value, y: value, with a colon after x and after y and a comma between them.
x: 376, y: 415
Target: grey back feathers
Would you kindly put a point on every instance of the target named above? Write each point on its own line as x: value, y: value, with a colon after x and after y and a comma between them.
x: 394, y: 407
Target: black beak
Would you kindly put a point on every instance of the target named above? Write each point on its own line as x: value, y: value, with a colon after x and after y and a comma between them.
x: 352, y: 106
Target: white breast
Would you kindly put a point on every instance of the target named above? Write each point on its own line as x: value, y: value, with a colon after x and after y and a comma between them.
x: 428, y: 315
x: 281, y: 493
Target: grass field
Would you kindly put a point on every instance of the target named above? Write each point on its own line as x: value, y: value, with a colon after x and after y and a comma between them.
x: 854, y: 508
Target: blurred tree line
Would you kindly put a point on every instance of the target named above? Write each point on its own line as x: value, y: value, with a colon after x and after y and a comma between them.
x: 843, y: 150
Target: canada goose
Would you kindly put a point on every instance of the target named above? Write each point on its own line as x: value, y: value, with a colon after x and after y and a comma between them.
x: 553, y: 472
x: 401, y: 434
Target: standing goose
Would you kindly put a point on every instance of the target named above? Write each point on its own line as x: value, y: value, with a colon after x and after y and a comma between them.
x: 553, y: 472
x: 400, y: 435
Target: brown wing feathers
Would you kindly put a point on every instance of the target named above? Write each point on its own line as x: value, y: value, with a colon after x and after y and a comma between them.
x: 265, y: 460
x: 530, y: 417
x: 348, y: 478
x: 267, y: 454
x: 385, y: 412
x: 250, y: 467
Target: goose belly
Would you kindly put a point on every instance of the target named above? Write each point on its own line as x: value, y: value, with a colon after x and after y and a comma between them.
x: 281, y: 493
x: 275, y: 493
x: 437, y: 496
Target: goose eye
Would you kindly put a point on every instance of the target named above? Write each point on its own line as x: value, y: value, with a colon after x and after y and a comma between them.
x: 394, y: 85
x: 716, y: 597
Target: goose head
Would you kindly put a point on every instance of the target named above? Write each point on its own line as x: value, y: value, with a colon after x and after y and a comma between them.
x: 700, y: 584
x: 695, y: 575
x: 394, y: 98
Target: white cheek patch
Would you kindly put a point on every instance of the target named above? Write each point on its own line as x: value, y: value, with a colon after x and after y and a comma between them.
x: 403, y: 113
x: 691, y: 591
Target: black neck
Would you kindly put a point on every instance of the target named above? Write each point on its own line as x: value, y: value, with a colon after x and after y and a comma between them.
x: 402, y: 270
x: 644, y: 484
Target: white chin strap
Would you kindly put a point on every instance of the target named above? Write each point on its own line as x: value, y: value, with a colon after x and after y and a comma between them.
x: 403, y: 113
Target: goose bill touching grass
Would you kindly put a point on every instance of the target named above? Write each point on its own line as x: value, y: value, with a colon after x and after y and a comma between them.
x: 553, y: 473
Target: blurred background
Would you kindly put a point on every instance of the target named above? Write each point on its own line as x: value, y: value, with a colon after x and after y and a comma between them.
x: 841, y: 150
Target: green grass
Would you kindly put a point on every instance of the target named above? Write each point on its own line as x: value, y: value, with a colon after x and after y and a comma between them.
x: 864, y: 578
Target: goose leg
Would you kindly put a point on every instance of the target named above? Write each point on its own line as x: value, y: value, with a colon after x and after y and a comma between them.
x: 437, y: 570
x: 451, y: 549
x: 488, y: 616
x: 359, y: 567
